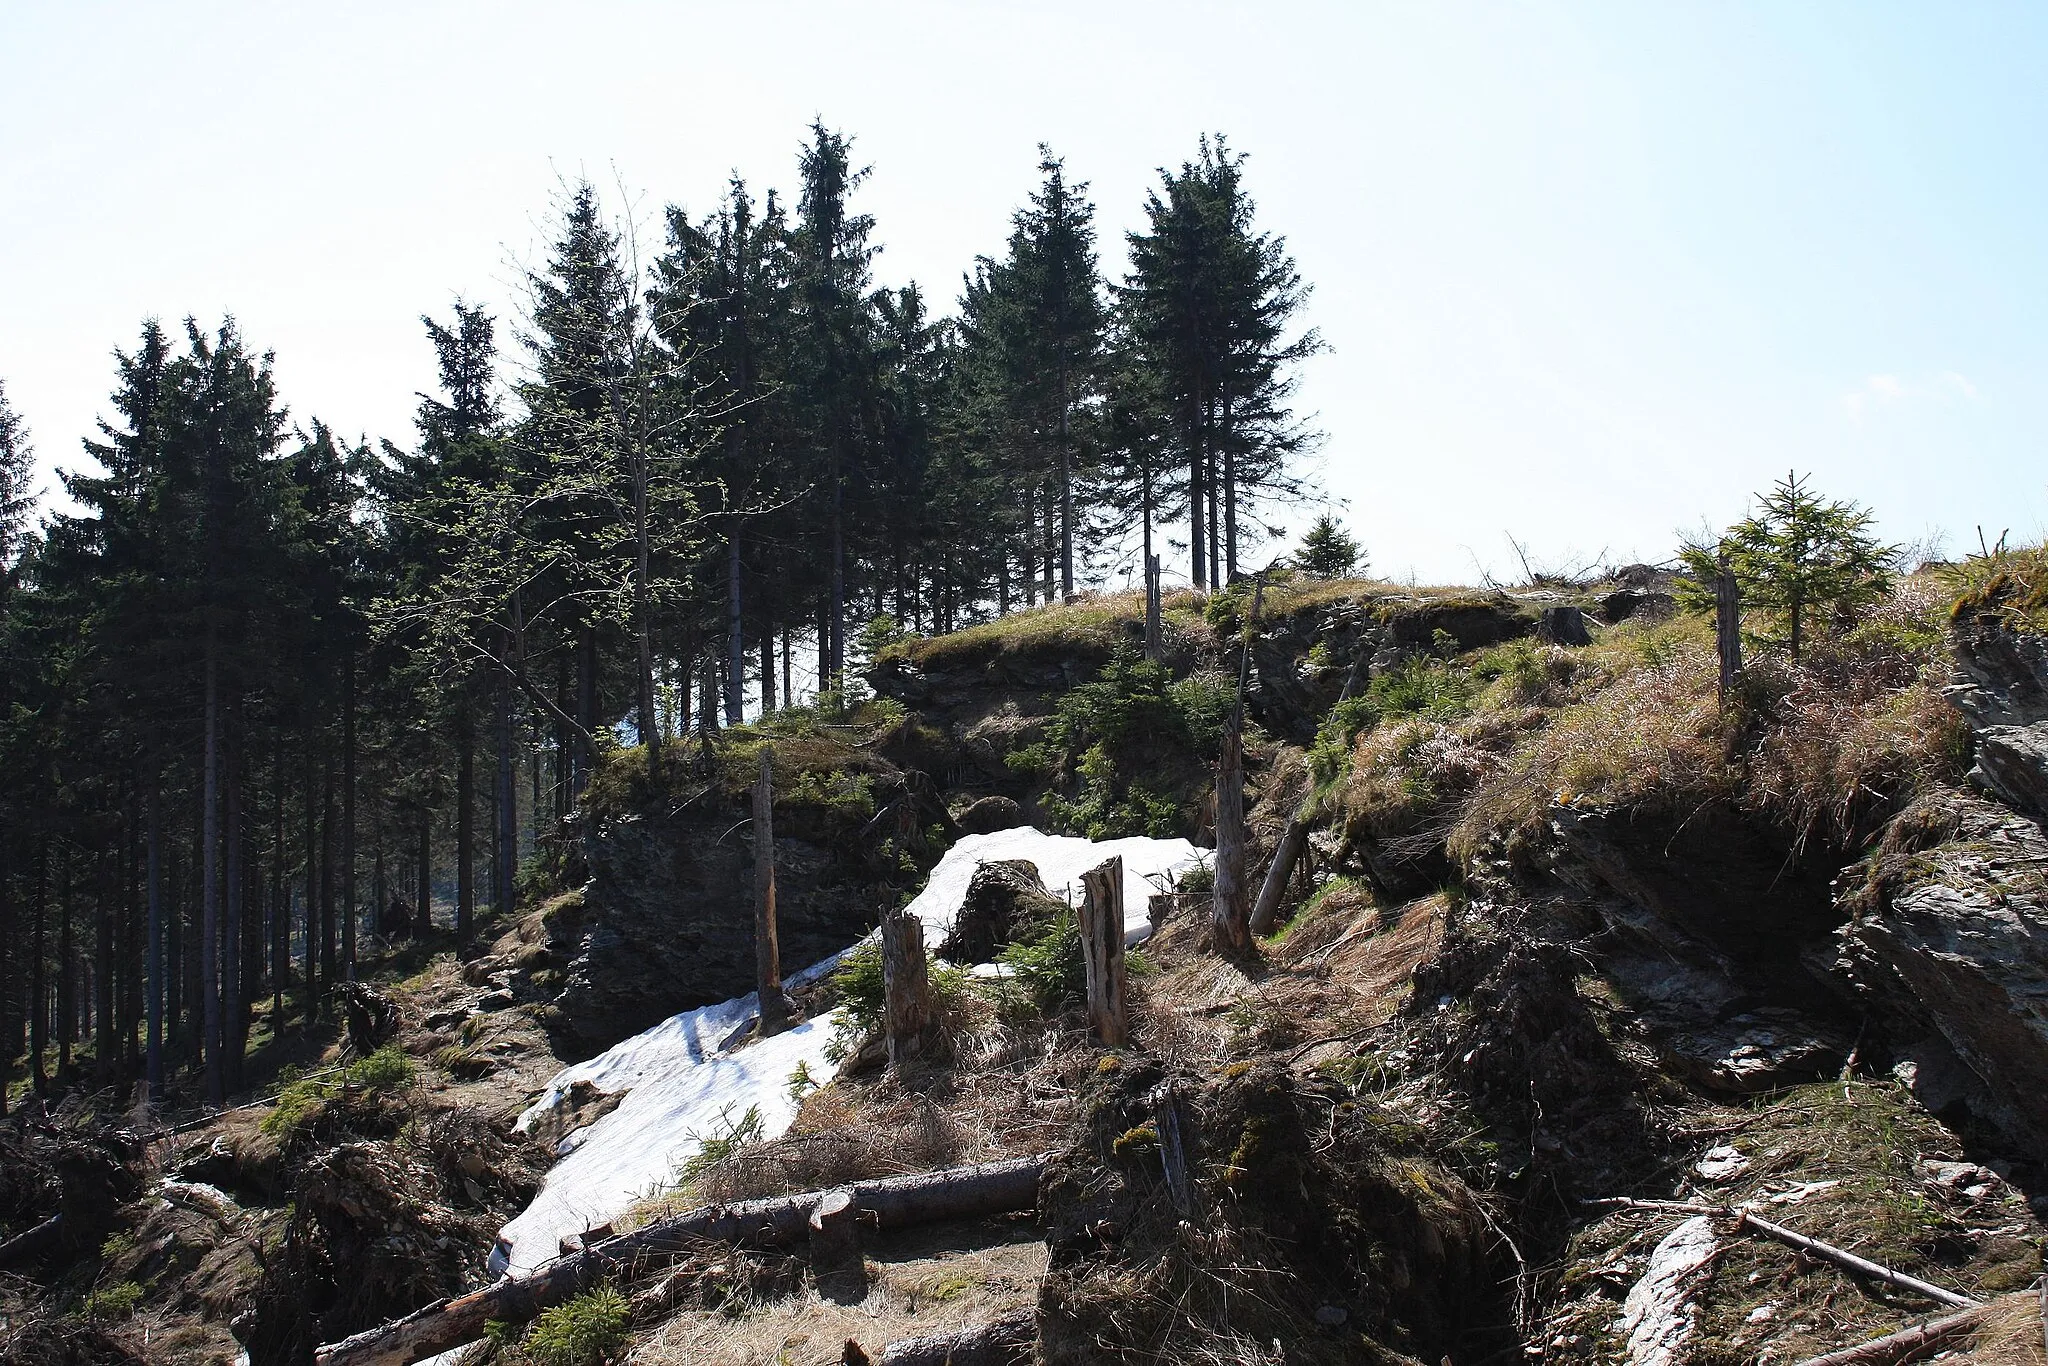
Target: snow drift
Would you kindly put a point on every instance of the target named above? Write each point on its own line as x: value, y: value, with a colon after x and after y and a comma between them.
x: 683, y: 1084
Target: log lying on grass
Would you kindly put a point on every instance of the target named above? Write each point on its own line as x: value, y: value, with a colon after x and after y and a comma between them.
x: 1005, y: 1342
x: 1827, y: 1252
x: 894, y: 1202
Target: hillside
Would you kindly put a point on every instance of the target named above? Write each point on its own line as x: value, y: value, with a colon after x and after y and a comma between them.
x: 1570, y: 930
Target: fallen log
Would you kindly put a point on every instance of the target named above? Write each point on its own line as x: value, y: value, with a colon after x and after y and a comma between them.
x: 1827, y: 1252
x: 894, y: 1202
x: 1908, y: 1344
x: 1005, y: 1342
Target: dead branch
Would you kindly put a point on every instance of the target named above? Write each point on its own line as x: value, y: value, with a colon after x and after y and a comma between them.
x: 1908, y: 1344
x: 1827, y: 1252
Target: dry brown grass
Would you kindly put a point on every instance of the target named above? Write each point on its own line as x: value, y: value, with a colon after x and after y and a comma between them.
x: 1827, y: 747
x: 2011, y: 1334
x: 930, y: 1282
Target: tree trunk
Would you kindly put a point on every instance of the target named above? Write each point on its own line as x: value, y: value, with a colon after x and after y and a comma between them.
x: 349, y: 911
x: 1198, y: 568
x: 1728, y: 626
x: 974, y: 1192
x: 1230, y: 932
x: 465, y: 829
x: 423, y: 912
x: 1102, y: 950
x: 38, y: 1011
x: 153, y: 1051
x: 1227, y: 916
x: 906, y: 986
x: 310, y: 1005
x: 506, y: 869
x: 232, y: 1034
x: 280, y: 927
x: 735, y: 640
x: 767, y: 957
x: 329, y: 973
x: 209, y: 890
x: 768, y: 702
x: 1154, y: 645
x: 106, y: 1059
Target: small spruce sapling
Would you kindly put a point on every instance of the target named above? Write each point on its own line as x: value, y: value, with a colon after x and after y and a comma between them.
x: 1801, y: 559
x: 1328, y: 551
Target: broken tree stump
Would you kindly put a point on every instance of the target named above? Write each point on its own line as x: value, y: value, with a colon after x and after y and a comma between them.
x: 1005, y: 1342
x: 973, y: 1192
x: 906, y: 986
x: 767, y: 956
x: 1229, y: 928
x: 1230, y: 931
x: 1168, y: 1117
x: 1728, y: 625
x: 1154, y: 645
x: 1102, y: 950
x: 836, y: 1262
x: 1564, y: 626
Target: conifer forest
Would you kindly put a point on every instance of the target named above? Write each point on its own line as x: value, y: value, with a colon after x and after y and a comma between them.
x: 270, y: 692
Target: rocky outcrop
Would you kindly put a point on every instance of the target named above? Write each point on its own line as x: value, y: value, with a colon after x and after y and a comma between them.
x: 667, y: 921
x: 1948, y: 944
x: 1717, y: 926
x: 1006, y: 901
x: 2002, y: 690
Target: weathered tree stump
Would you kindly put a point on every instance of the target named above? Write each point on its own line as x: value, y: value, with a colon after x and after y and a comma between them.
x: 1154, y: 645
x: 767, y: 956
x: 906, y: 986
x: 1728, y: 626
x: 1102, y: 950
x: 1229, y: 927
x: 836, y: 1261
x: 1169, y: 1118
x: 1564, y: 626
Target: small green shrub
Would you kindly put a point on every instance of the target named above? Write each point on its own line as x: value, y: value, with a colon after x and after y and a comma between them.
x: 727, y: 1137
x: 801, y: 1082
x: 116, y: 1301
x: 1050, y: 968
x: 388, y: 1069
x: 586, y: 1331
x: 857, y: 987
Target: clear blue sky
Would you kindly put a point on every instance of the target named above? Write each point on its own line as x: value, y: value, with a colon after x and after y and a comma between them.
x: 1591, y: 272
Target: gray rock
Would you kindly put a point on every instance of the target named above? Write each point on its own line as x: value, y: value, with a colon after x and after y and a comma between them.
x: 1759, y: 1051
x: 991, y: 814
x: 2003, y: 675
x: 2012, y: 765
x: 1005, y: 901
x: 1949, y: 937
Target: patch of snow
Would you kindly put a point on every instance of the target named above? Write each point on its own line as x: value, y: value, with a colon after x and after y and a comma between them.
x: 1657, y: 1316
x: 679, y: 1077
x: 1150, y: 866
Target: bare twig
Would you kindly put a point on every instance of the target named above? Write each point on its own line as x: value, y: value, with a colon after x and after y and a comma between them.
x: 1827, y: 1252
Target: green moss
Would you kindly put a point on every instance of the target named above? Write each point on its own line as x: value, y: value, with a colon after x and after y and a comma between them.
x: 1141, y: 1141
